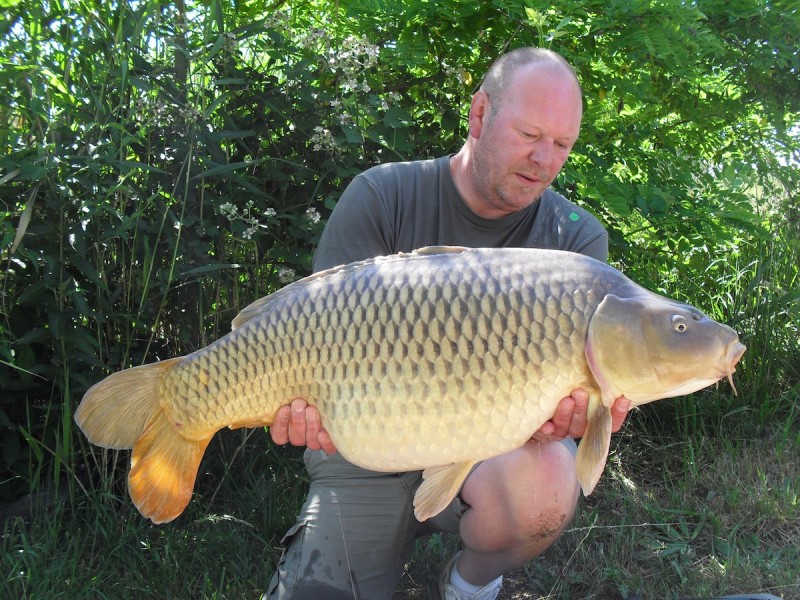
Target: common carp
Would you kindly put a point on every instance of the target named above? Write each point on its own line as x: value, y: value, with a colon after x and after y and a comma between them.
x: 403, y: 355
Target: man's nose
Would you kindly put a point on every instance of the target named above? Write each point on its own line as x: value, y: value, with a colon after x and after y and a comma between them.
x: 542, y: 153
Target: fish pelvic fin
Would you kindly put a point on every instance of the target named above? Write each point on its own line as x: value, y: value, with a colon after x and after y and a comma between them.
x: 164, y: 467
x: 593, y: 449
x: 439, y: 486
x: 115, y: 411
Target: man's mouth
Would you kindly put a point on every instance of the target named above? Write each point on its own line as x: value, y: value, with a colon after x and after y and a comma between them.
x: 529, y: 179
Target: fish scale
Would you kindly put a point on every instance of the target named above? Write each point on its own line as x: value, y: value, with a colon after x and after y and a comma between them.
x: 433, y: 361
x: 461, y: 362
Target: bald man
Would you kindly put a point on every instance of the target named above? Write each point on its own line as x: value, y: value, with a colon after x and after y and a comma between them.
x: 355, y: 532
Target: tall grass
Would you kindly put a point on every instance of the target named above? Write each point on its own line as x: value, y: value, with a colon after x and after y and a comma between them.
x: 91, y: 543
x: 658, y: 525
x: 755, y: 291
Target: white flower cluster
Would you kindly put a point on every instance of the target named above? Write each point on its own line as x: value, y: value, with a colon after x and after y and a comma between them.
x: 389, y: 96
x: 286, y: 275
x: 344, y: 95
x: 323, y: 140
x: 454, y: 72
x: 277, y: 19
x: 153, y: 112
x: 355, y: 55
x: 232, y: 213
x: 313, y: 216
x: 349, y: 61
x: 231, y: 41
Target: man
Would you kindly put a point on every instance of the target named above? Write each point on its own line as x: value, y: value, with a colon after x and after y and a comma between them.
x: 356, y: 529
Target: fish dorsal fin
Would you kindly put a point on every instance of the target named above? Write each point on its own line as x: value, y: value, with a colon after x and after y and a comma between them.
x: 251, y: 311
x: 431, y: 250
x: 593, y: 449
x: 254, y: 310
x: 439, y: 486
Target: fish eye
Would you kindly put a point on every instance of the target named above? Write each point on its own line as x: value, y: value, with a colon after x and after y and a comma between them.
x: 679, y: 323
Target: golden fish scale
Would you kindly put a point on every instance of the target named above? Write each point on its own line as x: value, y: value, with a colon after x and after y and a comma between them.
x: 445, y: 358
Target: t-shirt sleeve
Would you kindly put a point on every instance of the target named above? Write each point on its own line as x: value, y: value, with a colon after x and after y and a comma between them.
x: 358, y: 228
x: 564, y: 225
x: 597, y: 246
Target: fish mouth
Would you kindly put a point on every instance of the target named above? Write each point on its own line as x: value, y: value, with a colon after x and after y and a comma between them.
x: 734, y: 354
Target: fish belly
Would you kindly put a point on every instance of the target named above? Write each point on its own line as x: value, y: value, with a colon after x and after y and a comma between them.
x: 411, y: 363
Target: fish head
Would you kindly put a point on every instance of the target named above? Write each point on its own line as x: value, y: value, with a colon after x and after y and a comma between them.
x: 648, y: 347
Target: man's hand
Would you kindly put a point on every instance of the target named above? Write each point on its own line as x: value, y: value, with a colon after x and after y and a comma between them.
x: 570, y: 417
x: 300, y: 425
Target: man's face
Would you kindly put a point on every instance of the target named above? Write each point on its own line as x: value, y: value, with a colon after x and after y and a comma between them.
x: 520, y: 149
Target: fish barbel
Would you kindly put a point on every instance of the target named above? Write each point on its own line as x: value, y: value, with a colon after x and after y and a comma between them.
x: 403, y: 355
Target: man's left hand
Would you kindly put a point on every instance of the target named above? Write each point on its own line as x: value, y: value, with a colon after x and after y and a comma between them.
x: 570, y: 417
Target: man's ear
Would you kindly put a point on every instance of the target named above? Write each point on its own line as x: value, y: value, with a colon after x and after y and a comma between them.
x: 478, y: 113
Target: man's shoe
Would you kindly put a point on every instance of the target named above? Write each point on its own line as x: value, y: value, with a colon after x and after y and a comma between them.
x: 446, y: 591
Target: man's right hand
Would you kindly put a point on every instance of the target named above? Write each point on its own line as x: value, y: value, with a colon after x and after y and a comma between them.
x: 300, y: 425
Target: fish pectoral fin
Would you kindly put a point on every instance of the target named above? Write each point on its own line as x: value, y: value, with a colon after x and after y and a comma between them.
x: 593, y: 449
x: 439, y: 486
x: 164, y: 467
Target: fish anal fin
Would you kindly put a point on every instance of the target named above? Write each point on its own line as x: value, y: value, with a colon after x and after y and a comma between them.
x: 439, y: 486
x: 164, y: 467
x: 263, y: 422
x: 593, y: 449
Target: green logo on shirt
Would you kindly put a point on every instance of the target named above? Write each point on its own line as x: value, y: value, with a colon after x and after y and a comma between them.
x: 574, y: 217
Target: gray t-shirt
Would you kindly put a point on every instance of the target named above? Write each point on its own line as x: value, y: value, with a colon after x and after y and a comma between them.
x: 399, y: 207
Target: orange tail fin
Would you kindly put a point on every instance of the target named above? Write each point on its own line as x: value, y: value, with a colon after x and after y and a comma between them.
x: 127, y: 410
x: 115, y: 411
x: 163, y: 469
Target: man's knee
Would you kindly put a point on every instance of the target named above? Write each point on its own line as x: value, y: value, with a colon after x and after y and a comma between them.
x: 549, y: 497
x: 524, y: 498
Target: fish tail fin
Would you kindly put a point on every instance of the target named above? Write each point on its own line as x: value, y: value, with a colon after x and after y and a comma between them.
x: 164, y: 467
x: 127, y: 410
x: 115, y: 411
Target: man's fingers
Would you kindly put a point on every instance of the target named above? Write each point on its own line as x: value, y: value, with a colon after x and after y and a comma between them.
x: 562, y: 418
x: 619, y: 411
x: 326, y: 443
x: 557, y: 427
x: 300, y: 425
x: 297, y: 423
x: 577, y: 424
x: 279, y: 430
x: 313, y: 428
